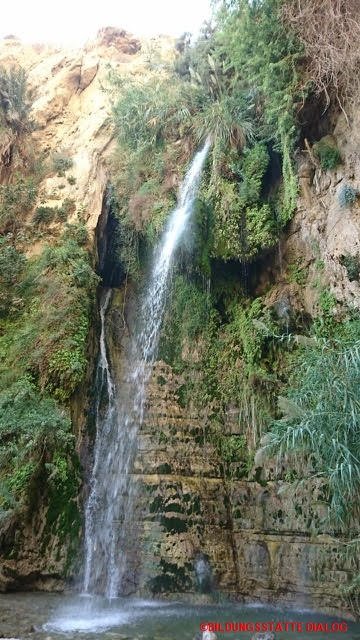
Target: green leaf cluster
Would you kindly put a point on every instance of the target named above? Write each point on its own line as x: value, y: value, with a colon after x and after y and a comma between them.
x: 45, y: 215
x: 186, y: 318
x: 32, y: 428
x: 47, y: 335
x: 15, y: 100
x: 327, y: 153
x: 322, y: 417
x: 16, y: 199
x: 151, y: 112
x: 244, y: 223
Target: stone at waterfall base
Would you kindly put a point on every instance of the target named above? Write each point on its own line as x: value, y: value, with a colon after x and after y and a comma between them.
x: 206, y: 635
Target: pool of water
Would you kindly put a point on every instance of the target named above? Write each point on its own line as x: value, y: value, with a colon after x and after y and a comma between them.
x: 42, y: 616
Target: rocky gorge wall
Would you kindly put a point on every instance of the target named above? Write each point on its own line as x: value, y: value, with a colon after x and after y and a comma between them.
x: 262, y: 535
x: 70, y: 116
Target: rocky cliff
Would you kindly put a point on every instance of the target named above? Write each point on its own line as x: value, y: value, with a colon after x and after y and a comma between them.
x: 70, y: 127
x: 262, y: 537
x: 258, y: 534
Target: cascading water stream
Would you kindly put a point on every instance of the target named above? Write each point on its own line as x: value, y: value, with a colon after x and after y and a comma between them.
x: 119, y: 412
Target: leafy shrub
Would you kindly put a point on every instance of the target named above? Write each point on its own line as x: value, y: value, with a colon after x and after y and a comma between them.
x: 347, y: 195
x: 48, y: 340
x: 148, y: 113
x: 150, y: 118
x: 352, y: 266
x: 12, y: 265
x: 16, y: 199
x: 71, y: 180
x: 61, y: 162
x: 19, y: 480
x: 254, y: 165
x: 44, y: 214
x: 30, y: 424
x: 260, y: 230
x: 67, y: 208
x: 328, y: 154
x: 322, y: 417
x: 15, y: 100
x: 76, y: 231
x: 243, y: 224
x: 261, y: 55
x: 229, y: 222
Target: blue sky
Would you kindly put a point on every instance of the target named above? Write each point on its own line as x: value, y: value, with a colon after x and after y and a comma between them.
x: 75, y: 21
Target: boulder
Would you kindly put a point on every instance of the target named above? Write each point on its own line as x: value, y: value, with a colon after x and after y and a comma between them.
x: 209, y: 635
x: 268, y: 635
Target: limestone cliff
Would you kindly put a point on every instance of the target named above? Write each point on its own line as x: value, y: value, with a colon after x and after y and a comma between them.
x: 324, y: 231
x: 71, y: 122
x: 260, y: 534
x: 265, y: 539
x: 71, y: 109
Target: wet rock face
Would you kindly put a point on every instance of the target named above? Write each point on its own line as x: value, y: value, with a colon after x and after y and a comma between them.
x: 266, y: 541
x: 72, y: 113
x: 269, y: 542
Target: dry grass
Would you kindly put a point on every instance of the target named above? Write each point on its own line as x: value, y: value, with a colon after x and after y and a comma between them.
x: 330, y: 33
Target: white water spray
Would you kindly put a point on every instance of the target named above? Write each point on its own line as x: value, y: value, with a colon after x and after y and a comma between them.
x: 110, y: 528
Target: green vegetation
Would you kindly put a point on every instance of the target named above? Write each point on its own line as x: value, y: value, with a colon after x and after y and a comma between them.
x: 327, y: 153
x: 322, y: 412
x: 47, y: 340
x: 12, y: 264
x: 186, y: 317
x: 234, y: 454
x: 61, y: 163
x: 262, y: 56
x: 297, y: 273
x: 15, y: 101
x: 226, y: 361
x: 239, y: 85
x: 16, y: 200
x: 45, y: 215
x: 44, y: 320
x: 352, y: 266
x: 37, y: 458
x: 244, y: 221
x: 32, y: 427
x: 45, y: 303
x: 149, y: 113
x: 151, y: 118
x: 244, y: 365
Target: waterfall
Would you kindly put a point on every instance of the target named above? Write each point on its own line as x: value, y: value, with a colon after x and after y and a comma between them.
x: 110, y: 536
